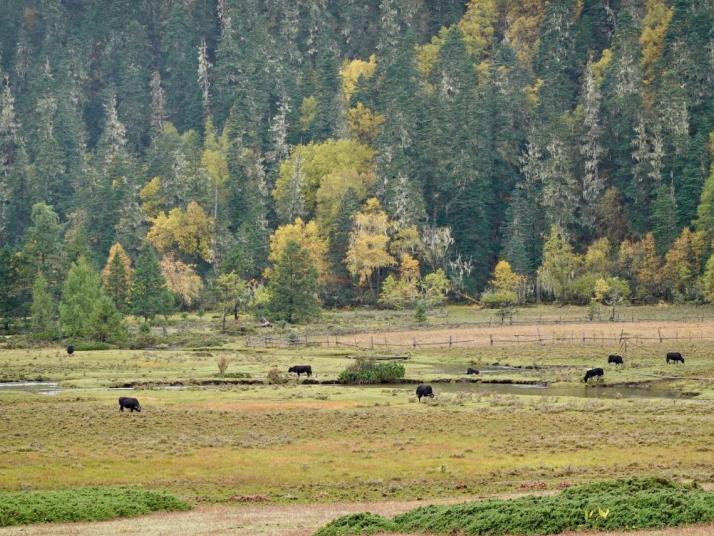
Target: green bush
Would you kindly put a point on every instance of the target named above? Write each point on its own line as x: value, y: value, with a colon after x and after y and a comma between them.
x: 607, y: 506
x: 83, y: 504
x: 369, y: 371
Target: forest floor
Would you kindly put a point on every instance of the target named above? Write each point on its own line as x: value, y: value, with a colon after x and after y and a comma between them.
x: 232, y: 449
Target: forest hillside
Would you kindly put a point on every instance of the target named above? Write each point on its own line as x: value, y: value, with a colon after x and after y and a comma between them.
x: 375, y: 151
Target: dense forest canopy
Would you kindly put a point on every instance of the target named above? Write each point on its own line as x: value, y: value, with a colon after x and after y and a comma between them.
x: 389, y: 139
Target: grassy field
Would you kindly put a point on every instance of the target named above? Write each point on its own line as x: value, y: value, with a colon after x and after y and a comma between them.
x: 297, y: 443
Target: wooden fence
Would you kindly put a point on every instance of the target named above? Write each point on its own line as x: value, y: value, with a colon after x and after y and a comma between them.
x: 372, y: 342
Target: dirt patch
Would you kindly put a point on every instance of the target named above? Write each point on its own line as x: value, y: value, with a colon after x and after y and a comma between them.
x: 277, y: 520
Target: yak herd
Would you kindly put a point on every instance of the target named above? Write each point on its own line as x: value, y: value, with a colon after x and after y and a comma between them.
x: 423, y: 390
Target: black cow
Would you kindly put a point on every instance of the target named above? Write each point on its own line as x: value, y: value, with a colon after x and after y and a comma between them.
x: 615, y: 359
x: 594, y: 373
x: 70, y: 349
x: 675, y: 357
x: 424, y: 390
x: 301, y: 369
x: 129, y: 403
x: 471, y: 371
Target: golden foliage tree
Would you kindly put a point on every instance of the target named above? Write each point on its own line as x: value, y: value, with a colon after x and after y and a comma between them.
x: 189, y: 232
x: 307, y: 236
x: 369, y: 240
x: 320, y: 160
x: 181, y: 279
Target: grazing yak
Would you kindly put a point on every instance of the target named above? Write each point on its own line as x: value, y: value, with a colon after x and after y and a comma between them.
x: 301, y: 369
x: 594, y: 373
x: 675, y: 357
x: 70, y: 349
x: 129, y: 403
x: 615, y: 359
x: 424, y: 390
x: 472, y: 371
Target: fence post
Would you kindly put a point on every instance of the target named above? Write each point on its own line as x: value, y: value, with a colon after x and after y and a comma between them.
x: 490, y: 336
x: 413, y: 342
x: 659, y: 332
x: 449, y: 342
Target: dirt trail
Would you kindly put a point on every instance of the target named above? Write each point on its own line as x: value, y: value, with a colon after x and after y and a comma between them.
x: 266, y: 520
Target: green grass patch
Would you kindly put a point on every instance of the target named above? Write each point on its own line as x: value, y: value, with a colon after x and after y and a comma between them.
x: 367, y: 371
x: 610, y: 505
x: 83, y: 504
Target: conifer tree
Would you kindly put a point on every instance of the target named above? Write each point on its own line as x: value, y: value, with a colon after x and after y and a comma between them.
x: 293, y: 286
x: 149, y: 296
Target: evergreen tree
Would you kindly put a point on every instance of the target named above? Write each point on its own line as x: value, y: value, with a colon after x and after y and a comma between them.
x: 664, y: 218
x: 117, y: 276
x: 43, y: 243
x: 106, y: 322
x: 149, y: 296
x: 14, y: 285
x: 81, y: 293
x: 293, y: 286
x: 42, y: 310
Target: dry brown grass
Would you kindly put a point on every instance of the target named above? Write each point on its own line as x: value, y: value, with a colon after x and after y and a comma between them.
x: 481, y: 335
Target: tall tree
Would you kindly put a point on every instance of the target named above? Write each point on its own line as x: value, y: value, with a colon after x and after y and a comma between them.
x: 293, y: 286
x: 149, y: 296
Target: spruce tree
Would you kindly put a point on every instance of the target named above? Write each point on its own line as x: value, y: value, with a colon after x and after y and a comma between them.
x: 293, y: 286
x: 81, y: 293
x: 149, y: 295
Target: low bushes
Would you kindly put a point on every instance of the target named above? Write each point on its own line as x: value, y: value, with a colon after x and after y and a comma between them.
x: 611, y: 505
x: 84, y: 504
x: 365, y: 371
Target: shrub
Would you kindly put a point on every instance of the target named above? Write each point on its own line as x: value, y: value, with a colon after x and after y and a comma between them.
x: 420, y: 312
x: 83, y: 504
x: 368, y: 371
x: 222, y: 363
x: 275, y: 377
x: 605, y: 506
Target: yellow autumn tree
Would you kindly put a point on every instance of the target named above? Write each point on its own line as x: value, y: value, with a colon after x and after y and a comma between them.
x: 368, y: 248
x: 308, y: 236
x: 189, y: 232
x: 654, y: 27
x: 683, y: 263
x: 151, y: 198
x: 317, y: 161
x: 352, y: 71
x: 215, y: 161
x: 363, y: 124
x: 181, y: 279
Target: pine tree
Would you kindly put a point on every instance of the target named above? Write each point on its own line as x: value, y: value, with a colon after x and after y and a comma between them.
x: 106, y: 323
x: 117, y: 277
x: 149, y: 296
x: 81, y: 293
x: 42, y: 310
x: 664, y: 218
x: 43, y: 243
x: 293, y: 286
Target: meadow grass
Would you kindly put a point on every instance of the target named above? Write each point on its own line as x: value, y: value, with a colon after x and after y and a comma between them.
x: 321, y: 443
